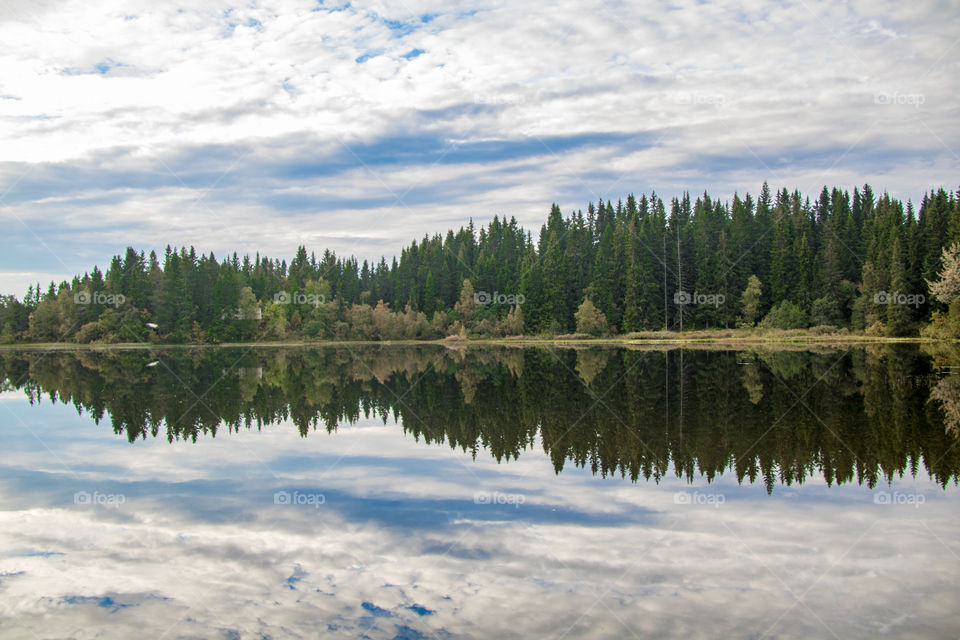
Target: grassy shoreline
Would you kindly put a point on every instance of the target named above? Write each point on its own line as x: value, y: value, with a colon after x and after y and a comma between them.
x: 720, y: 337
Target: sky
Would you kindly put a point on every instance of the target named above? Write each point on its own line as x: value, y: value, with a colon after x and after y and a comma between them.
x: 361, y: 126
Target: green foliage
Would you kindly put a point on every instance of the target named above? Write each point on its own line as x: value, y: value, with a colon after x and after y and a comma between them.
x: 590, y: 319
x: 313, y: 328
x: 750, y: 301
x: 946, y: 288
x: 831, y: 257
x: 785, y: 315
x: 513, y: 325
x: 466, y: 306
x: 824, y: 312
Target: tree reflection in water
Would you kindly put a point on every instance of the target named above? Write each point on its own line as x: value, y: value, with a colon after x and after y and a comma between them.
x: 768, y: 416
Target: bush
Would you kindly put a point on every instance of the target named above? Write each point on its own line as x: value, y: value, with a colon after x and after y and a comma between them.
x: 313, y: 328
x: 824, y: 329
x: 488, y: 328
x: 876, y: 329
x: 785, y: 315
x: 88, y: 333
x: 940, y: 328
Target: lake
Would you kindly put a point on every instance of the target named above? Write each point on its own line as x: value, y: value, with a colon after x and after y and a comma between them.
x: 480, y: 492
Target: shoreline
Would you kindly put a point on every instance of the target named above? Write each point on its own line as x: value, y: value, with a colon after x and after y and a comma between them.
x: 694, y: 339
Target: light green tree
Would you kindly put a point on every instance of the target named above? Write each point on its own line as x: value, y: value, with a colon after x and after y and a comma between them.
x: 750, y: 301
x: 590, y: 319
x: 467, y: 305
x: 946, y: 289
x: 513, y: 324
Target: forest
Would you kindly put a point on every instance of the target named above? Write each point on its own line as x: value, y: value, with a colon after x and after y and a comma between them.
x: 859, y: 263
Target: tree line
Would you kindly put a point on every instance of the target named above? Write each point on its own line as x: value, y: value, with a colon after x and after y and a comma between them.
x: 860, y: 262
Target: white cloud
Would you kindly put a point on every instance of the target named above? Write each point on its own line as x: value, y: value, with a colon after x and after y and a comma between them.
x: 698, y: 95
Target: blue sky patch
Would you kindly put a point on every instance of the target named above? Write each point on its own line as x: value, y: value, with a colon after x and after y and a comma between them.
x: 376, y: 611
x: 421, y: 610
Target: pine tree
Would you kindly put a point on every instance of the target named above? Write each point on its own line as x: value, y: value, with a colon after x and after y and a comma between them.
x: 898, y: 316
x: 828, y: 257
x: 430, y: 294
x: 604, y: 283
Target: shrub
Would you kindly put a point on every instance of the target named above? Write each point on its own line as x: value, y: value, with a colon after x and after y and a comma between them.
x: 313, y: 328
x: 88, y: 333
x: 824, y: 329
x: 785, y: 315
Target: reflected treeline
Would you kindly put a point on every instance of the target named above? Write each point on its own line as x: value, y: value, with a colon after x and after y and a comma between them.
x: 770, y: 416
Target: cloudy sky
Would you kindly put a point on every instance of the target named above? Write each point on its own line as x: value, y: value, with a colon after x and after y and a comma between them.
x: 361, y: 126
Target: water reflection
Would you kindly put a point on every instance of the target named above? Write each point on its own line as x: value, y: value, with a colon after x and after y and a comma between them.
x: 414, y: 493
x: 775, y: 417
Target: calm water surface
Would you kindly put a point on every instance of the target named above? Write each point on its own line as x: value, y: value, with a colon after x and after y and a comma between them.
x: 426, y: 492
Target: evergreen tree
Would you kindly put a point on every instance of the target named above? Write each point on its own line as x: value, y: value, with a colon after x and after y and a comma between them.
x: 828, y: 256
